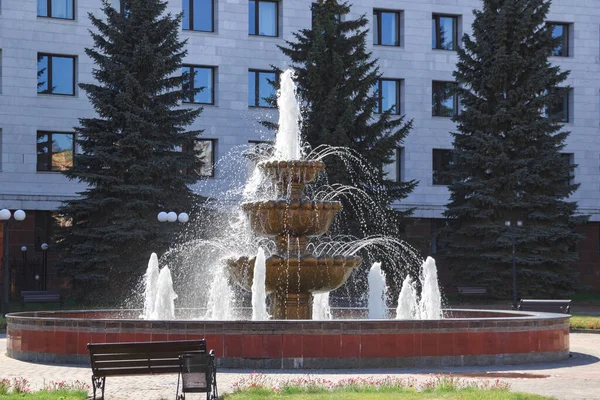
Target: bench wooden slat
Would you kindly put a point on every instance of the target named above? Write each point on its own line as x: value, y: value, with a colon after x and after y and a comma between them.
x: 108, y: 365
x: 138, y: 371
x: 147, y: 347
x: 141, y: 356
x: 556, y: 306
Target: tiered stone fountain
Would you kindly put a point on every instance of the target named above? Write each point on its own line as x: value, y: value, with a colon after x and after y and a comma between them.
x: 293, y: 273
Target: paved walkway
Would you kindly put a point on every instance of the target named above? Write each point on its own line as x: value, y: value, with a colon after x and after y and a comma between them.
x: 576, y: 378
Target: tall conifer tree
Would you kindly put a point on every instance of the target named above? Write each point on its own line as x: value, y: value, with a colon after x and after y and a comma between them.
x: 130, y: 154
x: 509, y: 165
x: 336, y: 77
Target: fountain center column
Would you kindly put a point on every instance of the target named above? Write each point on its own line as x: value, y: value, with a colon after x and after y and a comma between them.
x: 291, y: 305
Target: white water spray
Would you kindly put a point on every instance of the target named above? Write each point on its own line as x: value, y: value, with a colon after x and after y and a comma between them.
x: 259, y: 295
x: 220, y: 298
x: 150, y: 286
x: 377, y: 292
x: 321, y: 309
x: 407, y: 301
x: 287, y: 142
x: 164, y: 307
x: 430, y: 305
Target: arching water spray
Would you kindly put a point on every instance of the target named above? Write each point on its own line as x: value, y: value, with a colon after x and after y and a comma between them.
x: 221, y: 297
x: 150, y: 286
x: 259, y: 295
x: 377, y: 292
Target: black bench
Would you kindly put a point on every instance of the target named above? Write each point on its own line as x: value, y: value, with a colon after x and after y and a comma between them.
x: 40, y: 296
x: 553, y: 306
x: 145, y: 358
x: 472, y: 290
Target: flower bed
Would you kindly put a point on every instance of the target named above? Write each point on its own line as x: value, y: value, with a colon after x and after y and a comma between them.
x: 19, y: 388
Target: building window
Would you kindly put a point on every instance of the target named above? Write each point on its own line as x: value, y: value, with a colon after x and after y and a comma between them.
x: 443, y: 160
x: 56, y: 74
x: 399, y: 163
x: 198, y: 15
x: 55, y: 151
x: 56, y: 8
x: 262, y: 18
x: 445, y: 32
x: 389, y: 95
x: 386, y: 28
x: 260, y: 89
x: 561, y: 32
x: 199, y: 77
x: 206, y: 156
x: 560, y: 107
x: 569, y: 160
x: 44, y: 224
x: 444, y: 102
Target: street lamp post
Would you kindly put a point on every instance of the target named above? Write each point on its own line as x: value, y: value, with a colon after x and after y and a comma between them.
x: 5, y: 215
x: 44, y: 247
x: 514, y: 264
x: 172, y: 217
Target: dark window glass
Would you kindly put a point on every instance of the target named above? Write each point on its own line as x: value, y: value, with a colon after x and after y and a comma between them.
x: 56, y: 74
x: 560, y: 107
x: 206, y: 156
x: 260, y: 89
x: 200, y: 78
x: 444, y: 32
x: 399, y: 163
x: 569, y: 160
x: 443, y: 160
x: 444, y: 100
x: 262, y: 18
x: 198, y: 15
x: 56, y: 8
x: 561, y: 32
x: 386, y: 28
x: 54, y: 151
x: 389, y: 95
x: 43, y: 228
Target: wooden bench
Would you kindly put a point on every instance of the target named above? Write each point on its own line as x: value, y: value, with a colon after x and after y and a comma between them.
x: 472, y: 290
x: 142, y: 358
x: 40, y: 296
x: 553, y: 306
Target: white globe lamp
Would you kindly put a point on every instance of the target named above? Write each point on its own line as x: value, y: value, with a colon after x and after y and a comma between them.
x: 183, y: 218
x: 172, y: 216
x: 162, y: 216
x: 4, y: 214
x: 19, y: 215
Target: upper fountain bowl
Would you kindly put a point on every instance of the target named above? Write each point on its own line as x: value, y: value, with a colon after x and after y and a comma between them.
x: 292, y: 171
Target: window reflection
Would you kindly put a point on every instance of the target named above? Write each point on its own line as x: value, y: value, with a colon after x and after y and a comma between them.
x: 444, y: 100
x: 56, y: 74
x: 262, y: 17
x: 54, y: 151
x: 444, y: 32
x: 260, y: 89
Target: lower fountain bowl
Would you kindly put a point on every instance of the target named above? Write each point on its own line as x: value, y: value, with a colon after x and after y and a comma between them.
x: 306, y: 274
x: 463, y: 337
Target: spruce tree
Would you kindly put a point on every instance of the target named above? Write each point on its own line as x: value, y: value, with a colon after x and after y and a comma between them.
x: 509, y: 165
x: 130, y: 154
x: 336, y: 77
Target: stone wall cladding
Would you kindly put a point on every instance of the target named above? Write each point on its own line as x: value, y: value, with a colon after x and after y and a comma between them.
x: 526, y: 337
x: 233, y: 52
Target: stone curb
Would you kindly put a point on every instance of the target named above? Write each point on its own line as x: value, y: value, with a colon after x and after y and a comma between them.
x: 576, y: 330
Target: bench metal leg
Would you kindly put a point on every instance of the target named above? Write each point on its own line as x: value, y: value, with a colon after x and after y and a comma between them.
x: 98, y: 383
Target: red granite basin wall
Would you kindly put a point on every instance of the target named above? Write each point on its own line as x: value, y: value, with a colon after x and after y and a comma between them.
x: 471, y: 337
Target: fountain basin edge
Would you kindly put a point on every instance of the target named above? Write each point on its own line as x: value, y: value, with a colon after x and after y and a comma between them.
x: 466, y: 337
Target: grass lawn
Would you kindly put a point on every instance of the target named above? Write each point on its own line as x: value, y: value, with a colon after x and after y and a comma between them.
x: 46, y: 395
x: 585, y: 321
x: 462, y: 394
